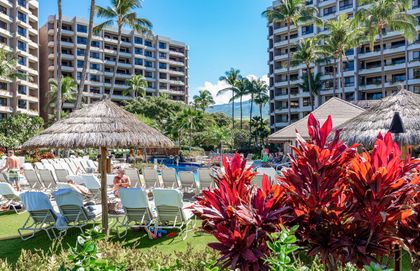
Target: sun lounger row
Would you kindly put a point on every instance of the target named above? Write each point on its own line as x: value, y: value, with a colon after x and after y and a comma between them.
x: 73, y: 166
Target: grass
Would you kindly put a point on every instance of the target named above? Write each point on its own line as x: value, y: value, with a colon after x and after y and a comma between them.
x: 11, y: 249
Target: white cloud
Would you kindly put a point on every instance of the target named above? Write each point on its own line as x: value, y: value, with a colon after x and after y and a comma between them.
x: 224, y: 98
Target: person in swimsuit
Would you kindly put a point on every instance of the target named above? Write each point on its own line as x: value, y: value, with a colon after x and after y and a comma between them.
x: 120, y: 181
x: 13, y: 167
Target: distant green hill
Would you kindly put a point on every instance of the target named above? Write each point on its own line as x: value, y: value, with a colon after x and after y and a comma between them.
x: 246, y: 107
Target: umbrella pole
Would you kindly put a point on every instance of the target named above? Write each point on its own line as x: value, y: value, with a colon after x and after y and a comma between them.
x: 104, y: 196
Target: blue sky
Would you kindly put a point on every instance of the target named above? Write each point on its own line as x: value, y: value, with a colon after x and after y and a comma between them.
x: 220, y: 33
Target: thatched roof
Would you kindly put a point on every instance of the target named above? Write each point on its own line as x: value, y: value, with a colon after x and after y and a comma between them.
x: 364, y: 128
x: 340, y: 111
x: 102, y: 124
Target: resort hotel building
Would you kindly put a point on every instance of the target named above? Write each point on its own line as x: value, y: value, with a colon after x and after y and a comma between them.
x: 162, y: 61
x: 19, y: 36
x: 362, y: 71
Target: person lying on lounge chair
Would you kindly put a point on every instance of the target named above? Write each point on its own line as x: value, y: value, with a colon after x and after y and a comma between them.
x: 83, y: 190
x: 120, y: 181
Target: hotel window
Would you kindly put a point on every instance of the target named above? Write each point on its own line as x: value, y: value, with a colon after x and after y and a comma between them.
x: 148, y: 64
x: 308, y: 29
x: 349, y: 66
x: 306, y: 101
x: 138, y: 61
x: 350, y: 96
x: 162, y: 65
x: 81, y: 28
x: 22, y: 104
x: 22, y: 60
x: 22, y: 90
x: 81, y: 40
x: 349, y: 81
x: 80, y: 63
x: 162, y: 45
x: 95, y: 55
x: 149, y: 75
x: 350, y: 52
x: 21, y: 16
x: 398, y: 60
x: 21, y: 31
x: 22, y: 46
x: 398, y: 77
x: 95, y: 66
x: 3, y: 40
x: 148, y: 43
x: 416, y: 55
x: 96, y: 44
x: 81, y: 52
x: 3, y: 102
x: 94, y: 78
x: 138, y: 51
x: 346, y: 4
x: 22, y: 3
x: 138, y: 40
x: 162, y: 55
x: 329, y: 10
x: 374, y: 96
x: 148, y: 53
x: 163, y: 75
x: 3, y: 85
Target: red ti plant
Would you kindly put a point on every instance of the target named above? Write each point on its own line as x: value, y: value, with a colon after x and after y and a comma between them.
x: 241, y: 216
x: 316, y: 189
x: 384, y: 188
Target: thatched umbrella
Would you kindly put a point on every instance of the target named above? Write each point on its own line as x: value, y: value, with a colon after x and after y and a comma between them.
x: 365, y: 127
x: 100, y: 125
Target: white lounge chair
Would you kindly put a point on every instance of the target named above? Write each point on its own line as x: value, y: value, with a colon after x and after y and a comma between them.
x: 10, y: 195
x: 93, y: 184
x: 134, y: 176
x: 41, y: 215
x: 269, y: 171
x: 61, y: 175
x: 137, y: 210
x: 150, y: 177
x: 257, y: 180
x: 188, y: 184
x: 33, y: 179
x: 169, y: 178
x: 70, y: 204
x: 47, y: 178
x: 205, y: 178
x: 110, y: 179
x: 170, y: 210
x: 3, y: 177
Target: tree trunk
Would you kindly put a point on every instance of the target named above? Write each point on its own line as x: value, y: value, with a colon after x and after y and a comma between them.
x: 111, y: 92
x: 308, y: 75
x: 335, y: 76
x: 104, y: 196
x: 87, y: 56
x: 59, y: 26
x: 240, y: 107
x: 406, y: 64
x: 343, y: 92
x: 261, y: 121
x: 289, y: 112
x: 250, y: 119
x: 381, y: 40
x: 233, y: 110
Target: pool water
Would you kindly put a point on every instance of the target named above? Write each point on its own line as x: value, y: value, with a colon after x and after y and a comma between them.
x: 186, y: 167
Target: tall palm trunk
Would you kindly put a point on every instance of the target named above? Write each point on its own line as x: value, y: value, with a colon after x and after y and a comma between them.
x: 87, y: 55
x: 343, y: 93
x: 240, y: 107
x: 308, y: 75
x: 261, y: 120
x: 233, y: 110
x: 381, y: 40
x: 59, y: 26
x: 117, y: 60
x: 406, y: 64
x: 289, y: 112
x: 250, y: 118
x: 335, y: 76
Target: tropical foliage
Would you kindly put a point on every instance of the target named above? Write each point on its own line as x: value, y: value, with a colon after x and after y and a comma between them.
x: 137, y: 86
x: 203, y: 100
x: 17, y: 129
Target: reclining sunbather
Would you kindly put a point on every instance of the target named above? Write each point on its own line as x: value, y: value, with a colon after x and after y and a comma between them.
x: 120, y: 181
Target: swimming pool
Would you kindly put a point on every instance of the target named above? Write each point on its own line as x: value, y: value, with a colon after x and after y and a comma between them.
x: 185, y: 167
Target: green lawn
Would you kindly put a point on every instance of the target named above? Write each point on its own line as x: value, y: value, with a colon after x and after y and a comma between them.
x: 10, y: 249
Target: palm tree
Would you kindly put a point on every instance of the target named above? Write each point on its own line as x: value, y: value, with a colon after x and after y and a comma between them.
x: 9, y: 71
x: 203, y: 100
x: 262, y: 98
x: 380, y: 15
x: 258, y: 86
x: 59, y: 75
x: 68, y: 91
x: 189, y: 119
x: 137, y: 85
x: 231, y: 77
x: 290, y: 12
x: 87, y: 55
x: 313, y: 85
x: 344, y: 35
x: 121, y: 13
x: 243, y: 85
x: 307, y: 53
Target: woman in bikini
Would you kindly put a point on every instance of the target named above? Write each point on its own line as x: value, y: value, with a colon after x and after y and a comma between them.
x: 120, y: 181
